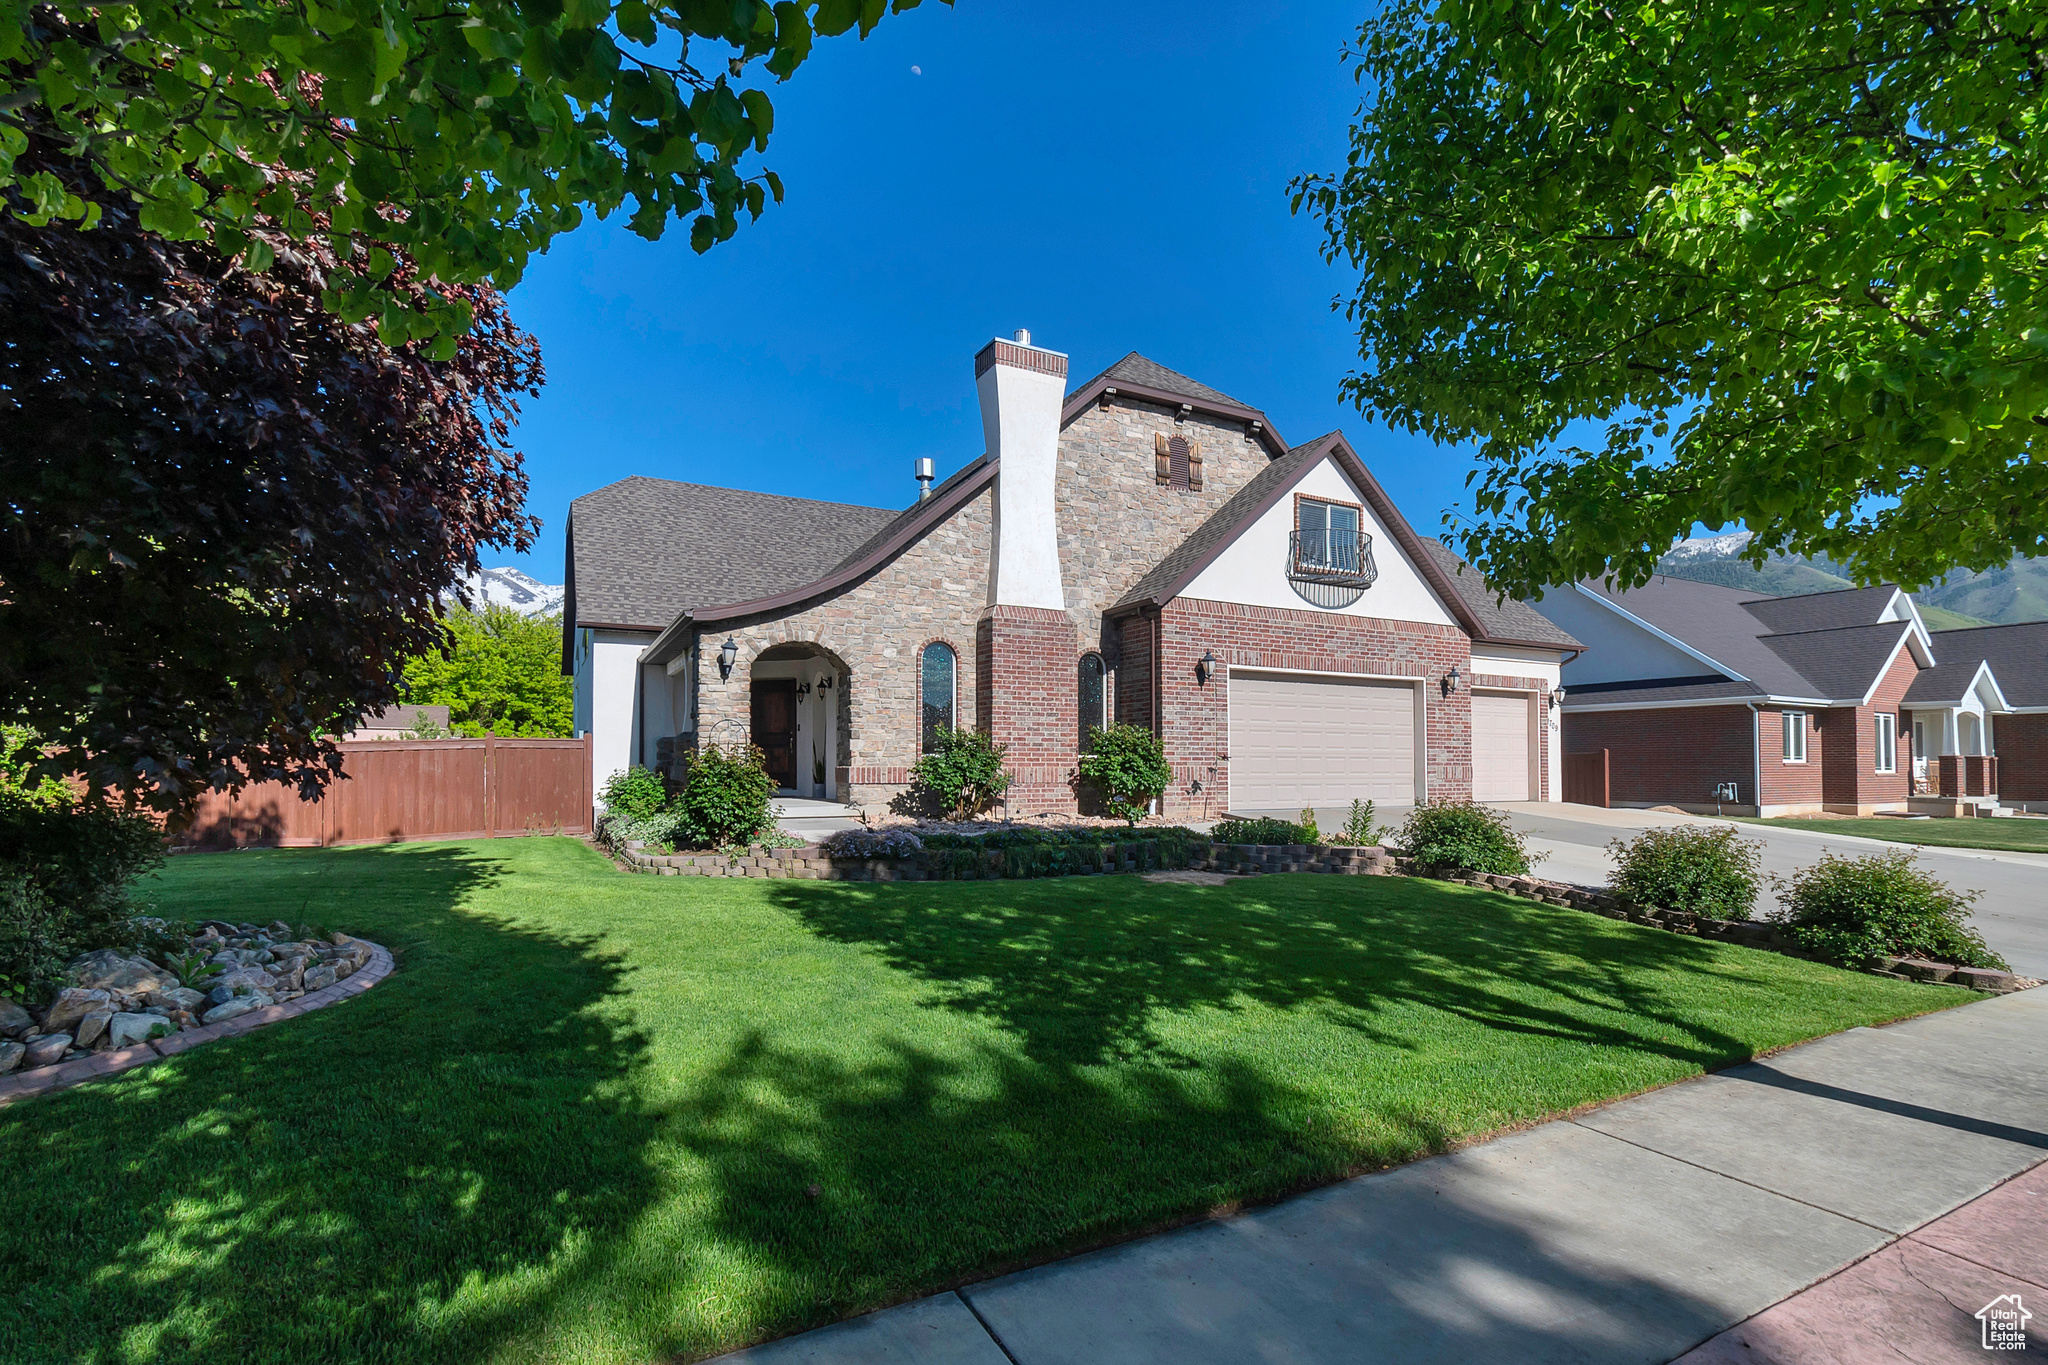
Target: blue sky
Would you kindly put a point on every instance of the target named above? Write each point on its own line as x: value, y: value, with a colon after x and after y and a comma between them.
x: 1111, y: 176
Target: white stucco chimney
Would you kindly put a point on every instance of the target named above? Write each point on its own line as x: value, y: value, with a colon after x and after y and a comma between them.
x: 1022, y: 387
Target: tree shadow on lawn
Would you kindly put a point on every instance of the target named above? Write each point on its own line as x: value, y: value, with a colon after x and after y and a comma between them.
x: 1080, y: 971
x: 338, y: 1185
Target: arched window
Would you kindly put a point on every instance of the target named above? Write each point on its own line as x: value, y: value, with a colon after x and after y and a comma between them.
x: 1093, y: 699
x: 937, y: 688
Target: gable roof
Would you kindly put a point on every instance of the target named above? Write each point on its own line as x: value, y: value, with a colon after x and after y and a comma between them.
x: 1819, y: 647
x: 623, y: 568
x: 1146, y: 373
x: 1949, y: 684
x: 2018, y: 655
x: 1466, y: 595
x: 1504, y: 619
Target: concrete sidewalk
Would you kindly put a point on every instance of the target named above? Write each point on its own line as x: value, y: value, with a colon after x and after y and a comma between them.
x: 1632, y: 1233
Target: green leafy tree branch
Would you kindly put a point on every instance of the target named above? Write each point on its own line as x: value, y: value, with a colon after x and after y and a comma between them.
x: 1792, y: 258
x: 467, y: 133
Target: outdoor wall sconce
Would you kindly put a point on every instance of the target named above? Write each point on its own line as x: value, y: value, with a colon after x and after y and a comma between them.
x: 1556, y: 697
x: 728, y: 654
x: 803, y: 690
x: 825, y: 683
x: 1205, y: 667
x: 1451, y: 680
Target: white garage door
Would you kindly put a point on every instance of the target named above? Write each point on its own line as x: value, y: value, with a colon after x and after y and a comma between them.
x: 1298, y: 742
x: 1500, y: 746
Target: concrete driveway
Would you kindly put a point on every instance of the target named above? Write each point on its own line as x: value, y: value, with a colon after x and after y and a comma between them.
x: 2012, y: 914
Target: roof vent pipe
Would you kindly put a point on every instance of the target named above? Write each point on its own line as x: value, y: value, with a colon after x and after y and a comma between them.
x: 924, y: 478
x: 1023, y: 336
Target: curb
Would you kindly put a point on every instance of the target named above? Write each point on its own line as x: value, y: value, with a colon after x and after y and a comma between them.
x: 47, y: 1079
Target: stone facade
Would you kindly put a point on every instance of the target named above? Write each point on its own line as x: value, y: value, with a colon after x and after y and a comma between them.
x: 1015, y: 673
x: 1116, y: 520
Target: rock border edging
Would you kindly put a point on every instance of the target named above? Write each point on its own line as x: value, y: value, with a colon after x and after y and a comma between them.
x: 44, y: 1080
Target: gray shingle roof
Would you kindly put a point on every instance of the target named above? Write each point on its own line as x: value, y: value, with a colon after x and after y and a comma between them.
x: 1502, y: 620
x: 1136, y: 369
x: 1843, y: 662
x: 641, y: 551
x: 2018, y: 655
x: 1224, y: 523
x: 1820, y: 646
x: 1707, y: 687
x: 1821, y: 610
x: 1946, y: 681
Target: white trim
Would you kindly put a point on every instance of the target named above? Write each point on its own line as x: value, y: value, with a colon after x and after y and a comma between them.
x: 1571, y: 710
x: 1889, y: 660
x: 1671, y: 640
x: 1330, y: 673
x: 1785, y: 732
x: 1919, y: 625
x: 1884, y: 741
x: 1983, y: 671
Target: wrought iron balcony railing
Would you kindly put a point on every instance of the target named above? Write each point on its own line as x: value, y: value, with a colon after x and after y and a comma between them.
x: 1341, y: 559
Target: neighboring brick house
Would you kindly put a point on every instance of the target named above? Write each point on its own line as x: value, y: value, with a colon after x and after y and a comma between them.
x: 2015, y: 660
x: 1838, y: 701
x: 1144, y: 549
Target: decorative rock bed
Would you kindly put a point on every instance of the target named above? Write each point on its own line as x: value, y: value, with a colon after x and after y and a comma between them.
x: 121, y: 1010
x: 813, y: 863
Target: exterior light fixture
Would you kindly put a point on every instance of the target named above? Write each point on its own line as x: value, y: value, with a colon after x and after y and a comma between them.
x: 1205, y: 667
x: 1451, y: 680
x: 803, y: 689
x: 825, y: 683
x: 1556, y: 697
x: 728, y: 654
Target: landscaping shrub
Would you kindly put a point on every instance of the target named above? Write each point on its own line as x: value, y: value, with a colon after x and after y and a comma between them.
x: 1310, y: 834
x: 636, y: 793
x: 962, y: 773
x: 1362, y: 829
x: 1468, y: 837
x: 873, y: 843
x: 65, y: 872
x: 1706, y: 870
x: 1262, y: 831
x: 725, y: 795
x: 1855, y: 910
x: 1127, y: 766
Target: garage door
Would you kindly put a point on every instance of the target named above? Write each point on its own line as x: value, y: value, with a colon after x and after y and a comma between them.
x: 1298, y: 742
x: 1500, y: 746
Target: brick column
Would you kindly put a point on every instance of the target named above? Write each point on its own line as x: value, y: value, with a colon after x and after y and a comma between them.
x: 1026, y: 678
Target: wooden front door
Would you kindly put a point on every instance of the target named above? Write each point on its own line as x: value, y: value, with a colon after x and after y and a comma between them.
x: 774, y: 723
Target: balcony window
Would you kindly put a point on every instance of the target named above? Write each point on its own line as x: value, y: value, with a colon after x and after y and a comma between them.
x: 1329, y: 556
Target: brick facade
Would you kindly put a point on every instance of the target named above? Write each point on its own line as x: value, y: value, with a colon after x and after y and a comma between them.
x: 2021, y: 742
x: 1672, y: 756
x: 1196, y: 732
x: 1027, y: 677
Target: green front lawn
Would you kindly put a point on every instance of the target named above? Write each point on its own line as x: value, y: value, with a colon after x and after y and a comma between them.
x: 2016, y: 833
x: 605, y: 1118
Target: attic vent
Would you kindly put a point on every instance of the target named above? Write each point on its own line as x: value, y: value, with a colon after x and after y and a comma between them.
x: 1176, y: 462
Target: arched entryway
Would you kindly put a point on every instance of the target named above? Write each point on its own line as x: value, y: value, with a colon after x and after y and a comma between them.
x: 798, y: 716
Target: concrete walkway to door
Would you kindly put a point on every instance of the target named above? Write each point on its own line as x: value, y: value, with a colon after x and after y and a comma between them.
x: 1631, y: 1233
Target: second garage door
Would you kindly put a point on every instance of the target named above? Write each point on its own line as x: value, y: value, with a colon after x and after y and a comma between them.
x: 1298, y: 742
x: 1500, y: 746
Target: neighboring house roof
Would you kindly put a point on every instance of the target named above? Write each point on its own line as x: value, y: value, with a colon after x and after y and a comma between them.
x: 1949, y: 683
x: 1817, y: 647
x: 643, y: 550
x: 1502, y: 619
x: 2018, y: 655
x: 1462, y: 589
x: 1701, y: 690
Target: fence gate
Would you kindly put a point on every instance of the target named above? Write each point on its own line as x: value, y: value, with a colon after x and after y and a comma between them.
x: 1585, y: 778
x: 396, y: 791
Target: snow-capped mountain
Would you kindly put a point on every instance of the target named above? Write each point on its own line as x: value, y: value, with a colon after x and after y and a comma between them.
x: 1707, y: 547
x: 2017, y: 592
x: 508, y: 587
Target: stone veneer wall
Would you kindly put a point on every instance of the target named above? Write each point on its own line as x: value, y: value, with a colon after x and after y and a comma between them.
x: 1115, y: 520
x: 877, y: 629
x: 1197, y: 729
x: 1115, y: 523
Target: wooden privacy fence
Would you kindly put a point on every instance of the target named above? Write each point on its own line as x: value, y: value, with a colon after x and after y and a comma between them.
x: 399, y: 790
x: 1585, y: 778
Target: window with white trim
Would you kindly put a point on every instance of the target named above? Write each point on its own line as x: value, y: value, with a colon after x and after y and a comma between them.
x: 1887, y: 742
x: 1795, y: 737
